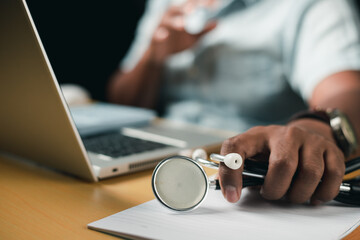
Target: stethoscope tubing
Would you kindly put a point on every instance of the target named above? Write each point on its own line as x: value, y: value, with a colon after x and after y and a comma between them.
x: 352, y: 165
x: 254, y: 174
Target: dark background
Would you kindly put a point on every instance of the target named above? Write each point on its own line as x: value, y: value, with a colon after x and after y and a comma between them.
x: 86, y: 40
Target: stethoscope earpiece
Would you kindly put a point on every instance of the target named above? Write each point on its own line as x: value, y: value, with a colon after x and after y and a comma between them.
x: 232, y: 160
x: 199, y: 153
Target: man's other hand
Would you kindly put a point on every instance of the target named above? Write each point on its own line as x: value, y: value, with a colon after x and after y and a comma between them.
x: 170, y: 36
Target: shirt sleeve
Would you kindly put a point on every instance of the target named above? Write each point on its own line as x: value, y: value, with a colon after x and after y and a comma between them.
x: 152, y: 16
x: 327, y: 42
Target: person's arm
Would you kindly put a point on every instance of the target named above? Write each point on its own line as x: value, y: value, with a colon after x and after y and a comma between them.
x: 305, y: 162
x: 140, y: 85
x: 341, y: 91
x: 305, y: 145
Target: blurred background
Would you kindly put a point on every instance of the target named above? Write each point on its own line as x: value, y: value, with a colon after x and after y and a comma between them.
x: 85, y: 40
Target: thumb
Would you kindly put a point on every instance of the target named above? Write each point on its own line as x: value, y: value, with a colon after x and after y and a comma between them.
x: 247, y: 145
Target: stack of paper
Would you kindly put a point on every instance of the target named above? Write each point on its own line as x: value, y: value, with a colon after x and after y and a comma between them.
x: 251, y: 218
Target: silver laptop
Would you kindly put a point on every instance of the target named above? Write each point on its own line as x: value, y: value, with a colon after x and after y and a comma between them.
x: 36, y: 123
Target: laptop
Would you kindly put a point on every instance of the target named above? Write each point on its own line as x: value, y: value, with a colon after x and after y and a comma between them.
x: 37, y: 124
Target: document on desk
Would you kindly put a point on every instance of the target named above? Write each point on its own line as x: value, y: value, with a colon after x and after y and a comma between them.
x: 250, y: 218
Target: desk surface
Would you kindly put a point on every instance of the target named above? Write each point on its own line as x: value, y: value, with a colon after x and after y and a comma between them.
x: 37, y: 203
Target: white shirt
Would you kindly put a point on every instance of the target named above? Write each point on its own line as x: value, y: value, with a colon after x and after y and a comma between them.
x: 259, y: 66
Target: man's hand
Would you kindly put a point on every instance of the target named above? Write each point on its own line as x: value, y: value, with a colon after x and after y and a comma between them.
x: 304, y: 162
x: 140, y: 85
x: 170, y: 36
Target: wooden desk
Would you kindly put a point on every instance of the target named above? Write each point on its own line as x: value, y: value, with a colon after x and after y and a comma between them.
x: 36, y: 203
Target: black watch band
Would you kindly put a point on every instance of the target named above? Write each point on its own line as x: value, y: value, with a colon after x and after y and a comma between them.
x: 312, y: 114
x: 344, y: 136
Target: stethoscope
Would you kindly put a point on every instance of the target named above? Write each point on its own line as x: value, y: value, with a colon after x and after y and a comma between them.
x: 181, y: 184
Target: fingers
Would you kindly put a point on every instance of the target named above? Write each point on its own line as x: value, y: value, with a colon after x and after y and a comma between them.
x: 174, y: 18
x: 303, y: 165
x: 310, y: 171
x: 174, y: 11
x: 161, y: 34
x: 170, y: 36
x: 247, y: 144
x: 176, y: 23
x: 208, y: 28
x: 283, y: 162
x: 191, y: 5
x: 332, y: 178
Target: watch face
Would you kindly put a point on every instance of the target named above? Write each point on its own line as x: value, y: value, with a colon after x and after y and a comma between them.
x: 343, y: 131
x: 348, y: 130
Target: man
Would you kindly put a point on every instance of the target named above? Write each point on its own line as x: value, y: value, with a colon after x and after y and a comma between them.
x: 253, y: 69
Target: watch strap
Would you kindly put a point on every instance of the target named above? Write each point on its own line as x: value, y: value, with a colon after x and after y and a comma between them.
x: 326, y: 117
x: 320, y: 115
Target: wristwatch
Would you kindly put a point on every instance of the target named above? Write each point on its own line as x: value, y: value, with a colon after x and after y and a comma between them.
x: 342, y: 129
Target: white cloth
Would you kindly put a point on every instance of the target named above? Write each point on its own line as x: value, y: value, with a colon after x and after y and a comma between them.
x: 259, y: 66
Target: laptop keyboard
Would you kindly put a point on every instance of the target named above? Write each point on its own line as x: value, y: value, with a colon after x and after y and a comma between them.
x: 116, y: 145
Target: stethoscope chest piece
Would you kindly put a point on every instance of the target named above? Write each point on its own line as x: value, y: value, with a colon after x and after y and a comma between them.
x: 180, y: 183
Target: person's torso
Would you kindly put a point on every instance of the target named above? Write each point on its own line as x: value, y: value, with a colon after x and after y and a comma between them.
x: 237, y: 72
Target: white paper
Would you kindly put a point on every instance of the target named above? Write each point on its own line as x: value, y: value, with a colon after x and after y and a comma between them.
x: 250, y: 218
